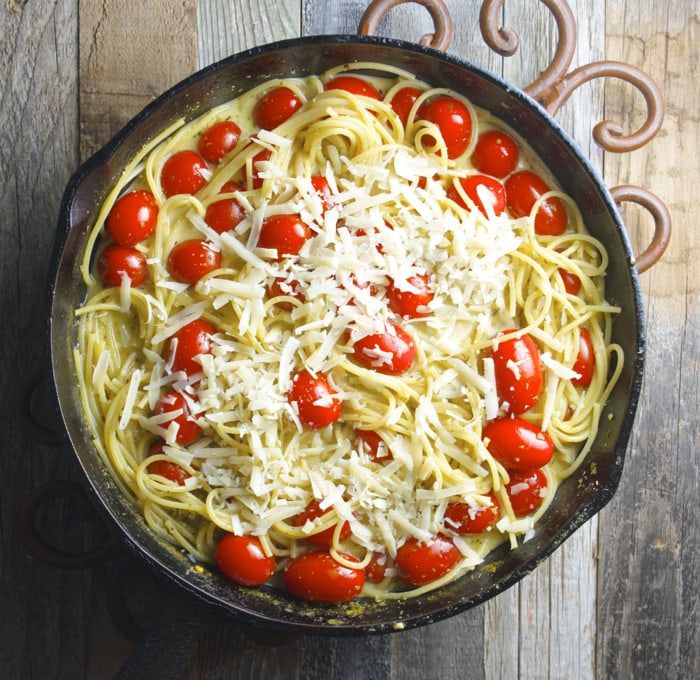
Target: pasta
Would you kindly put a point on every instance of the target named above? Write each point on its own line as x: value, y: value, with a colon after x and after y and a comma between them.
x: 359, y: 263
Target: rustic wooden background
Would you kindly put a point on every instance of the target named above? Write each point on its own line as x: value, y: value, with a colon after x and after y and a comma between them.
x: 618, y: 600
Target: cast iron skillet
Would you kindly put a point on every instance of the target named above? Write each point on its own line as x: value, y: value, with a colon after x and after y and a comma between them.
x: 579, y: 497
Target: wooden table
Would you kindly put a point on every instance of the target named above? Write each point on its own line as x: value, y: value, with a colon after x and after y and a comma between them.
x: 618, y: 600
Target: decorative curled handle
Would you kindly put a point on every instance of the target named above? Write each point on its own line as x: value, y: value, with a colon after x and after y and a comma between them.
x: 662, y: 222
x: 442, y: 19
x: 40, y: 548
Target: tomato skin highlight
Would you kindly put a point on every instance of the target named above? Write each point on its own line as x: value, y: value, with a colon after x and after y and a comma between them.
x: 572, y: 283
x: 286, y: 234
x: 190, y: 260
x: 309, y: 389
x: 353, y: 85
x: 464, y: 519
x: 375, y: 571
x: 242, y: 560
x: 189, y: 342
x: 496, y: 154
x: 409, y: 304
x: 133, y: 217
x: 370, y: 350
x: 323, y: 190
x: 323, y: 538
x: 526, y: 491
x: 166, y: 468
x: 373, y: 445
x: 317, y: 577
x: 402, y: 102
x: 116, y: 261
x: 523, y: 189
x: 454, y: 121
x: 224, y: 215
x: 421, y: 562
x: 218, y: 140
x: 585, y: 360
x: 188, y: 430
x: 518, y: 369
x: 518, y: 444
x: 476, y: 186
x: 275, y: 107
x: 185, y: 172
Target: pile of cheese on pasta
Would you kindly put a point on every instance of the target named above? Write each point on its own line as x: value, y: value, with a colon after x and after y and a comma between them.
x: 343, y: 325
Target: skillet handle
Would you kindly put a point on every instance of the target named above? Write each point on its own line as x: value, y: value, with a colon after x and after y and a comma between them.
x: 662, y: 222
x: 439, y: 40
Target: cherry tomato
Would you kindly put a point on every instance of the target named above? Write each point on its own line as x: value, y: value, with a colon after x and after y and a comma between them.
x: 317, y: 577
x: 323, y: 191
x: 166, y: 468
x: 585, y: 361
x: 480, y: 189
x: 495, y: 154
x: 281, y: 286
x: 117, y: 261
x: 316, y: 401
x: 243, y: 560
x: 402, y: 102
x: 454, y: 121
x: 190, y: 260
x: 526, y: 491
x: 187, y: 344
x: 518, y: 372
x: 133, y: 217
x: 373, y: 445
x: 274, y: 107
x: 523, y: 188
x: 255, y: 180
x: 173, y: 402
x: 224, y: 215
x: 375, y: 571
x: 218, y: 140
x: 572, y: 283
x: 185, y: 172
x: 421, y: 562
x: 324, y: 538
x: 518, y: 444
x: 284, y: 233
x: 464, y: 519
x: 411, y: 304
x: 353, y: 85
x: 389, y: 352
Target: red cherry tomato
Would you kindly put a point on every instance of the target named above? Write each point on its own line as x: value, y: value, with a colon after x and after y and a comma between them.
x: 353, y: 85
x: 411, y: 304
x: 190, y: 260
x: 523, y: 188
x: 190, y: 342
x: 316, y: 401
x: 518, y: 444
x: 117, y: 261
x: 585, y: 361
x: 284, y: 233
x: 166, y: 468
x: 421, y: 562
x: 526, y: 491
x: 389, y: 352
x: 481, y: 189
x: 518, y: 372
x: 274, y: 107
x: 133, y: 217
x: 185, y: 172
x: 323, y: 191
x: 243, y: 560
x: 572, y: 283
x: 402, y: 102
x: 173, y: 402
x: 324, y: 538
x: 255, y: 180
x: 218, y: 140
x: 224, y: 215
x: 373, y: 445
x: 454, y: 121
x: 464, y: 519
x: 282, y: 287
x: 317, y: 577
x: 375, y: 571
x: 495, y: 154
